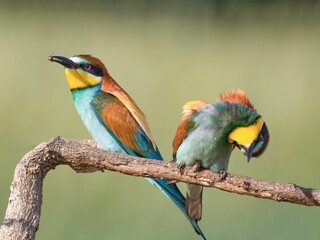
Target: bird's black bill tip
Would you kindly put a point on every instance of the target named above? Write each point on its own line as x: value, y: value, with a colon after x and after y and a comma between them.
x: 66, y: 62
x: 250, y: 151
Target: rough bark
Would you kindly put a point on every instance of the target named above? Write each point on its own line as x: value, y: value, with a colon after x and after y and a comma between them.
x: 21, y: 220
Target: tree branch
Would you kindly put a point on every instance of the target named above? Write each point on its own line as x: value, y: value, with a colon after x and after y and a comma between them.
x: 24, y: 208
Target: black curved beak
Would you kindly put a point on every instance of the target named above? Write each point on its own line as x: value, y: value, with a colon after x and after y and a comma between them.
x: 63, y: 61
x: 249, y: 151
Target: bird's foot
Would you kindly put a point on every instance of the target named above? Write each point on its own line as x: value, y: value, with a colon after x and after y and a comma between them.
x: 222, y: 174
x: 181, y: 167
x: 197, y: 166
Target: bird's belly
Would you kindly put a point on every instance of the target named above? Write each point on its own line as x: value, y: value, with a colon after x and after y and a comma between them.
x: 219, y: 162
x: 196, y: 148
x: 201, y: 146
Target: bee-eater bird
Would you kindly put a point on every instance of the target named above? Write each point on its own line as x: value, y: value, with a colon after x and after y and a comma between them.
x: 208, y: 133
x: 112, y: 117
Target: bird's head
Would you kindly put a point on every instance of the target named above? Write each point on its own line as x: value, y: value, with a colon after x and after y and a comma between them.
x: 251, y: 134
x: 252, y: 140
x: 81, y: 71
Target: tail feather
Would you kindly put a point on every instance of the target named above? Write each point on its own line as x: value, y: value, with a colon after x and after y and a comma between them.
x: 194, y: 204
x: 172, y: 192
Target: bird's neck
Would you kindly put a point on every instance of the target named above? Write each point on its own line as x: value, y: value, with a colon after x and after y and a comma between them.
x: 82, y: 97
x: 88, y: 91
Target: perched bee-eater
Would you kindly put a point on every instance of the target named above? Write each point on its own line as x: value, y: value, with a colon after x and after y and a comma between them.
x: 208, y: 133
x: 112, y: 117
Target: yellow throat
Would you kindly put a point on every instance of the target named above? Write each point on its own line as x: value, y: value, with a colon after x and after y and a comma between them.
x: 246, y: 135
x: 78, y: 79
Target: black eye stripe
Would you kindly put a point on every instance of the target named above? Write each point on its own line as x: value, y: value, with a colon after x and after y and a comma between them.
x: 93, y: 70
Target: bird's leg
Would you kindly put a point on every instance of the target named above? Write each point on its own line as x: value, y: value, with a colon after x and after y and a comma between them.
x: 222, y: 174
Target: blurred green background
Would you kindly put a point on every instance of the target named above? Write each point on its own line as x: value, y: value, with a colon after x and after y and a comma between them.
x: 164, y: 53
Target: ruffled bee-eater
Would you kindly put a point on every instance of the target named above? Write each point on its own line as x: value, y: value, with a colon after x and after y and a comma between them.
x: 112, y: 117
x: 208, y: 133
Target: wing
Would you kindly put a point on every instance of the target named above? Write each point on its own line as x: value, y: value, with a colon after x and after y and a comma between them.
x: 187, y: 124
x: 185, y: 127
x: 118, y: 120
x: 111, y: 86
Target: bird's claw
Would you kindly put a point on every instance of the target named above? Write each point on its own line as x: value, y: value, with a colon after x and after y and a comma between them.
x: 222, y: 174
x: 181, y: 167
x: 196, y: 167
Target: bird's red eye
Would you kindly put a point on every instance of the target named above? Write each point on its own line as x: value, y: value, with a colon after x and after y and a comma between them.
x: 87, y: 67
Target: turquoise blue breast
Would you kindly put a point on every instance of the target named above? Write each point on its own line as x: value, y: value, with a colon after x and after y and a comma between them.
x: 82, y: 99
